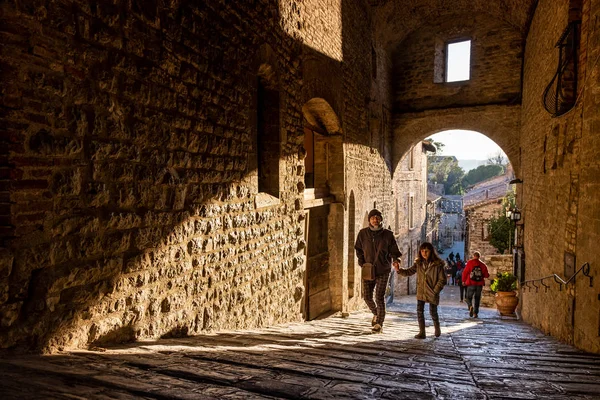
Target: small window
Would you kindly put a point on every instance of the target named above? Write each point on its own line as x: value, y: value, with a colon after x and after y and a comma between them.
x: 267, y: 138
x: 458, y: 61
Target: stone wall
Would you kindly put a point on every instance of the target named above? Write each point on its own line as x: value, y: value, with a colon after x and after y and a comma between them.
x: 477, y: 217
x: 487, y: 103
x: 495, y: 264
x: 495, y: 56
x: 134, y: 204
x: 586, y: 333
x: 560, y: 177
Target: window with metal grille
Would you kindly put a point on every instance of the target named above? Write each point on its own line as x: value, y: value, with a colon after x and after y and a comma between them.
x: 561, y: 93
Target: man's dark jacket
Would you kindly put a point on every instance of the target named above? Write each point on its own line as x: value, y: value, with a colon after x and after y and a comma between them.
x: 378, y: 248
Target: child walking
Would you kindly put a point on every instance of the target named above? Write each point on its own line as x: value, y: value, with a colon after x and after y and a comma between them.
x: 431, y: 279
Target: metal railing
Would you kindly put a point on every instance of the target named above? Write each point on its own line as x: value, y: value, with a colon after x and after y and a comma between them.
x: 584, y: 269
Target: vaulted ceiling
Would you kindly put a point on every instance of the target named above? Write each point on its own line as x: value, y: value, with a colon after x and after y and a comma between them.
x: 395, y: 19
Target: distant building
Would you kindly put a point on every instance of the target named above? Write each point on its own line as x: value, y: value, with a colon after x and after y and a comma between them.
x: 433, y: 216
x: 412, y: 206
x: 451, y: 228
x: 437, y: 188
x: 481, y: 203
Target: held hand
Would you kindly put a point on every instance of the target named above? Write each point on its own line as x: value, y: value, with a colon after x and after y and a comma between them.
x: 396, y: 265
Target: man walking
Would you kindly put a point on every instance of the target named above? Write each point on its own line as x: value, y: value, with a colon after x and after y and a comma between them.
x: 473, y: 277
x: 377, y: 246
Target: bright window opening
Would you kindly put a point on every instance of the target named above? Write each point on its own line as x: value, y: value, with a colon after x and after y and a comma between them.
x: 458, y: 61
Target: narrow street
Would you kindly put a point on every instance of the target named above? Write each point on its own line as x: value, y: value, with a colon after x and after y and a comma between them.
x: 332, y: 358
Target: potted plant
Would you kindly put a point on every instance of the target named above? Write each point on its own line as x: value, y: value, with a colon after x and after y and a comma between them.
x: 504, y: 287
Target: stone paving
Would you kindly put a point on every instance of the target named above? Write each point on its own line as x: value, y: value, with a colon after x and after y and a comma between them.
x: 332, y: 358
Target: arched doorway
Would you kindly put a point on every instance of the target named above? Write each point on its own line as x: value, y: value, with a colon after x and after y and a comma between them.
x: 323, y: 180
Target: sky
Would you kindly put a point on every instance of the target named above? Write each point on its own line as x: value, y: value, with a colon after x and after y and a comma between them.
x: 459, y: 58
x: 466, y: 145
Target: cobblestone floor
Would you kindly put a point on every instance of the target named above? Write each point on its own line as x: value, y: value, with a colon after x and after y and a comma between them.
x: 332, y: 358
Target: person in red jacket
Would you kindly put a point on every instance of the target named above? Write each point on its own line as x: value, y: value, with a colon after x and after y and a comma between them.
x: 473, y: 277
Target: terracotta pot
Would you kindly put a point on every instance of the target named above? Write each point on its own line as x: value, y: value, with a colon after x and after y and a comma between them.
x: 506, y: 302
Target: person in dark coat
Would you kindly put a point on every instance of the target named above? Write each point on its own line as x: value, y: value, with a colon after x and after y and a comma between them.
x: 453, y: 268
x: 431, y: 279
x: 377, y: 246
x: 459, y: 270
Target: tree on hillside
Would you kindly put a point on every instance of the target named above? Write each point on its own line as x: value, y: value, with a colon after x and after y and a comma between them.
x: 454, y: 182
x: 482, y: 173
x: 440, y: 167
x: 447, y: 171
x: 497, y: 159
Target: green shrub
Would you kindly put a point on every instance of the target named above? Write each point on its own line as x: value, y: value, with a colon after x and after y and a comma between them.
x: 504, y: 282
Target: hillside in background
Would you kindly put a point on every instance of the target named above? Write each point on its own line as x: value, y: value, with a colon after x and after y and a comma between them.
x: 468, y: 165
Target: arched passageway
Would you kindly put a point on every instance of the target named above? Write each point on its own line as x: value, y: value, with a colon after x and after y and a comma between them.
x: 153, y: 173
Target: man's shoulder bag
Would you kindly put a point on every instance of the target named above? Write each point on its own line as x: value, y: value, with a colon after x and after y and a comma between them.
x: 368, y: 272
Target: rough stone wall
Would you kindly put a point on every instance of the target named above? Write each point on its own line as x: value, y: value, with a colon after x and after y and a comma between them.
x: 477, y: 218
x: 133, y: 198
x: 495, y: 264
x: 560, y: 179
x: 367, y: 129
x: 587, y: 319
x: 394, y: 19
x: 495, y: 56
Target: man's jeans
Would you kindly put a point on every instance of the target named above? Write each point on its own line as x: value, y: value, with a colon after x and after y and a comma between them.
x: 474, y: 291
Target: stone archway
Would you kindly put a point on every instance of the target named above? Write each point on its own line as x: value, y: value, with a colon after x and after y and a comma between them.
x: 500, y: 123
x: 324, y: 183
x: 319, y: 116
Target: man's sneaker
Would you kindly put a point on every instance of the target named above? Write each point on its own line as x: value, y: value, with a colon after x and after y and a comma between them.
x: 420, y: 335
x: 475, y: 316
x: 376, y: 328
x: 374, y: 320
x: 471, y: 311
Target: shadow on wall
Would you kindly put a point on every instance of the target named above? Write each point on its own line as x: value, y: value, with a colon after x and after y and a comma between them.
x: 137, y: 214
